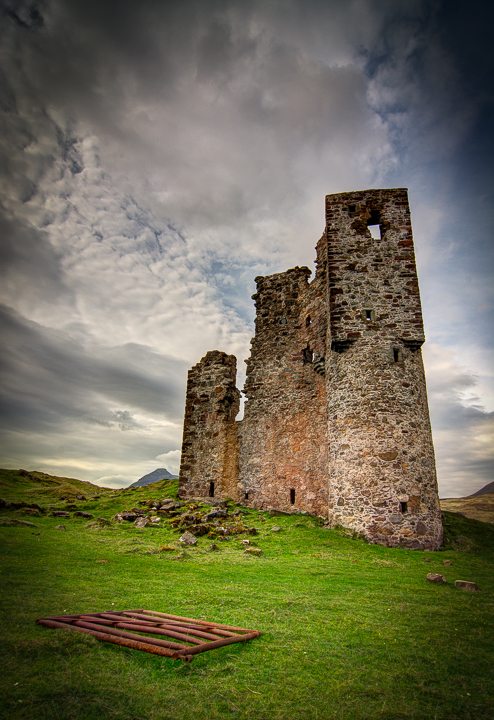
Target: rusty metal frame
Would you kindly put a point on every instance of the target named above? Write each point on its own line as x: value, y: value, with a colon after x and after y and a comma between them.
x: 122, y: 627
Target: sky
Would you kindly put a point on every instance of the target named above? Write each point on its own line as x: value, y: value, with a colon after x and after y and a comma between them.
x: 156, y: 156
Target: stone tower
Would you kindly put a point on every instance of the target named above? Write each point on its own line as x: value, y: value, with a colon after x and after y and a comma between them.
x: 336, y: 420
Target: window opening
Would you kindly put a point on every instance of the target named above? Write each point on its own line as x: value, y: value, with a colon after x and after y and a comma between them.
x: 403, y: 507
x: 375, y: 231
x: 397, y: 355
x: 292, y: 495
x: 307, y: 355
x: 211, y: 489
x: 368, y: 314
x: 308, y: 321
x: 246, y: 496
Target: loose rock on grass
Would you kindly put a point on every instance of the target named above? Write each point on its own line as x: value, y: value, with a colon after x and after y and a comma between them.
x: 436, y: 578
x: 466, y: 585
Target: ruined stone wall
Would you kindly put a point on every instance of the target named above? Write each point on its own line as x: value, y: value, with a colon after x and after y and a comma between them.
x: 336, y: 420
x: 382, y: 480
x: 283, y: 436
x: 209, y: 465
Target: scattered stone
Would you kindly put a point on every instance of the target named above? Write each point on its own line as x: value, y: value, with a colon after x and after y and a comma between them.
x: 447, y: 562
x: 142, y: 522
x: 426, y: 559
x: 213, y: 548
x: 253, y: 551
x: 188, y: 539
x: 60, y: 527
x: 252, y: 531
x: 277, y: 513
x: 275, y: 528
x: 214, y: 514
x: 82, y: 514
x: 155, y: 519
x: 138, y: 511
x: 167, y: 548
x: 126, y: 515
x: 81, y: 497
x: 246, y: 542
x: 181, y: 556
x: 60, y: 513
x: 14, y: 521
x: 172, y: 505
x: 436, y: 578
x: 213, y: 502
x: 103, y: 521
x: 466, y: 585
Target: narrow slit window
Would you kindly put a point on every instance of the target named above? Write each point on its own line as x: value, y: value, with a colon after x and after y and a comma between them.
x: 308, y: 321
x: 368, y: 314
x: 211, y: 489
x: 292, y: 496
x: 246, y: 496
x: 403, y: 507
x: 397, y: 355
x: 307, y: 355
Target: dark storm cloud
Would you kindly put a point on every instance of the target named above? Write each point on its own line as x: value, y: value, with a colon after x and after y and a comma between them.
x: 48, y: 379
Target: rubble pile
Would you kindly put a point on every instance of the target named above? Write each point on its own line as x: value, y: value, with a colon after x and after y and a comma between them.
x: 199, y: 516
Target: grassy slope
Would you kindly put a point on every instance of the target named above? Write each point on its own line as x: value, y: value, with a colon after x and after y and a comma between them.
x: 350, y: 630
x: 478, y: 508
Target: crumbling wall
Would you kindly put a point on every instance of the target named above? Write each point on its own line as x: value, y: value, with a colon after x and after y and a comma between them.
x: 209, y: 464
x: 336, y: 420
x: 283, y: 436
x: 382, y: 479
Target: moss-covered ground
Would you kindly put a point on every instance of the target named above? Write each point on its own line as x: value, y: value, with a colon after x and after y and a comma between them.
x: 350, y: 630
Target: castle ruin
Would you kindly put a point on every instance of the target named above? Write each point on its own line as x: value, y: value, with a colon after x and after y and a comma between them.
x: 336, y: 419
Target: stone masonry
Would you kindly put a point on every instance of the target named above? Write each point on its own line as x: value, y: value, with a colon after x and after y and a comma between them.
x: 336, y: 418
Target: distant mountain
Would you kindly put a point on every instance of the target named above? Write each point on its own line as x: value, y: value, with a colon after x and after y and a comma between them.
x: 486, y: 490
x: 155, y: 476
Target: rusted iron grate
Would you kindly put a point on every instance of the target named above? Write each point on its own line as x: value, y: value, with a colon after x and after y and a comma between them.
x: 123, y: 627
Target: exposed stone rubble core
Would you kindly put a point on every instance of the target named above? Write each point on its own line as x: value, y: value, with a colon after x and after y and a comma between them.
x: 336, y: 421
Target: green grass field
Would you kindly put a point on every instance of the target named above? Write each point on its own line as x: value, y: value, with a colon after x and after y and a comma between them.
x: 350, y: 630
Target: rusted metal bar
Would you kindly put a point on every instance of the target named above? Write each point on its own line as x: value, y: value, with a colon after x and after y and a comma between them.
x: 199, y: 622
x: 175, y: 628
x: 155, y: 627
x: 122, y: 628
x: 190, y: 626
x: 123, y: 633
x: 106, y: 637
x: 220, y: 643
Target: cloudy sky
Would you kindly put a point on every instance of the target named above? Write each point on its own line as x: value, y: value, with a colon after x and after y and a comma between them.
x: 157, y: 155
